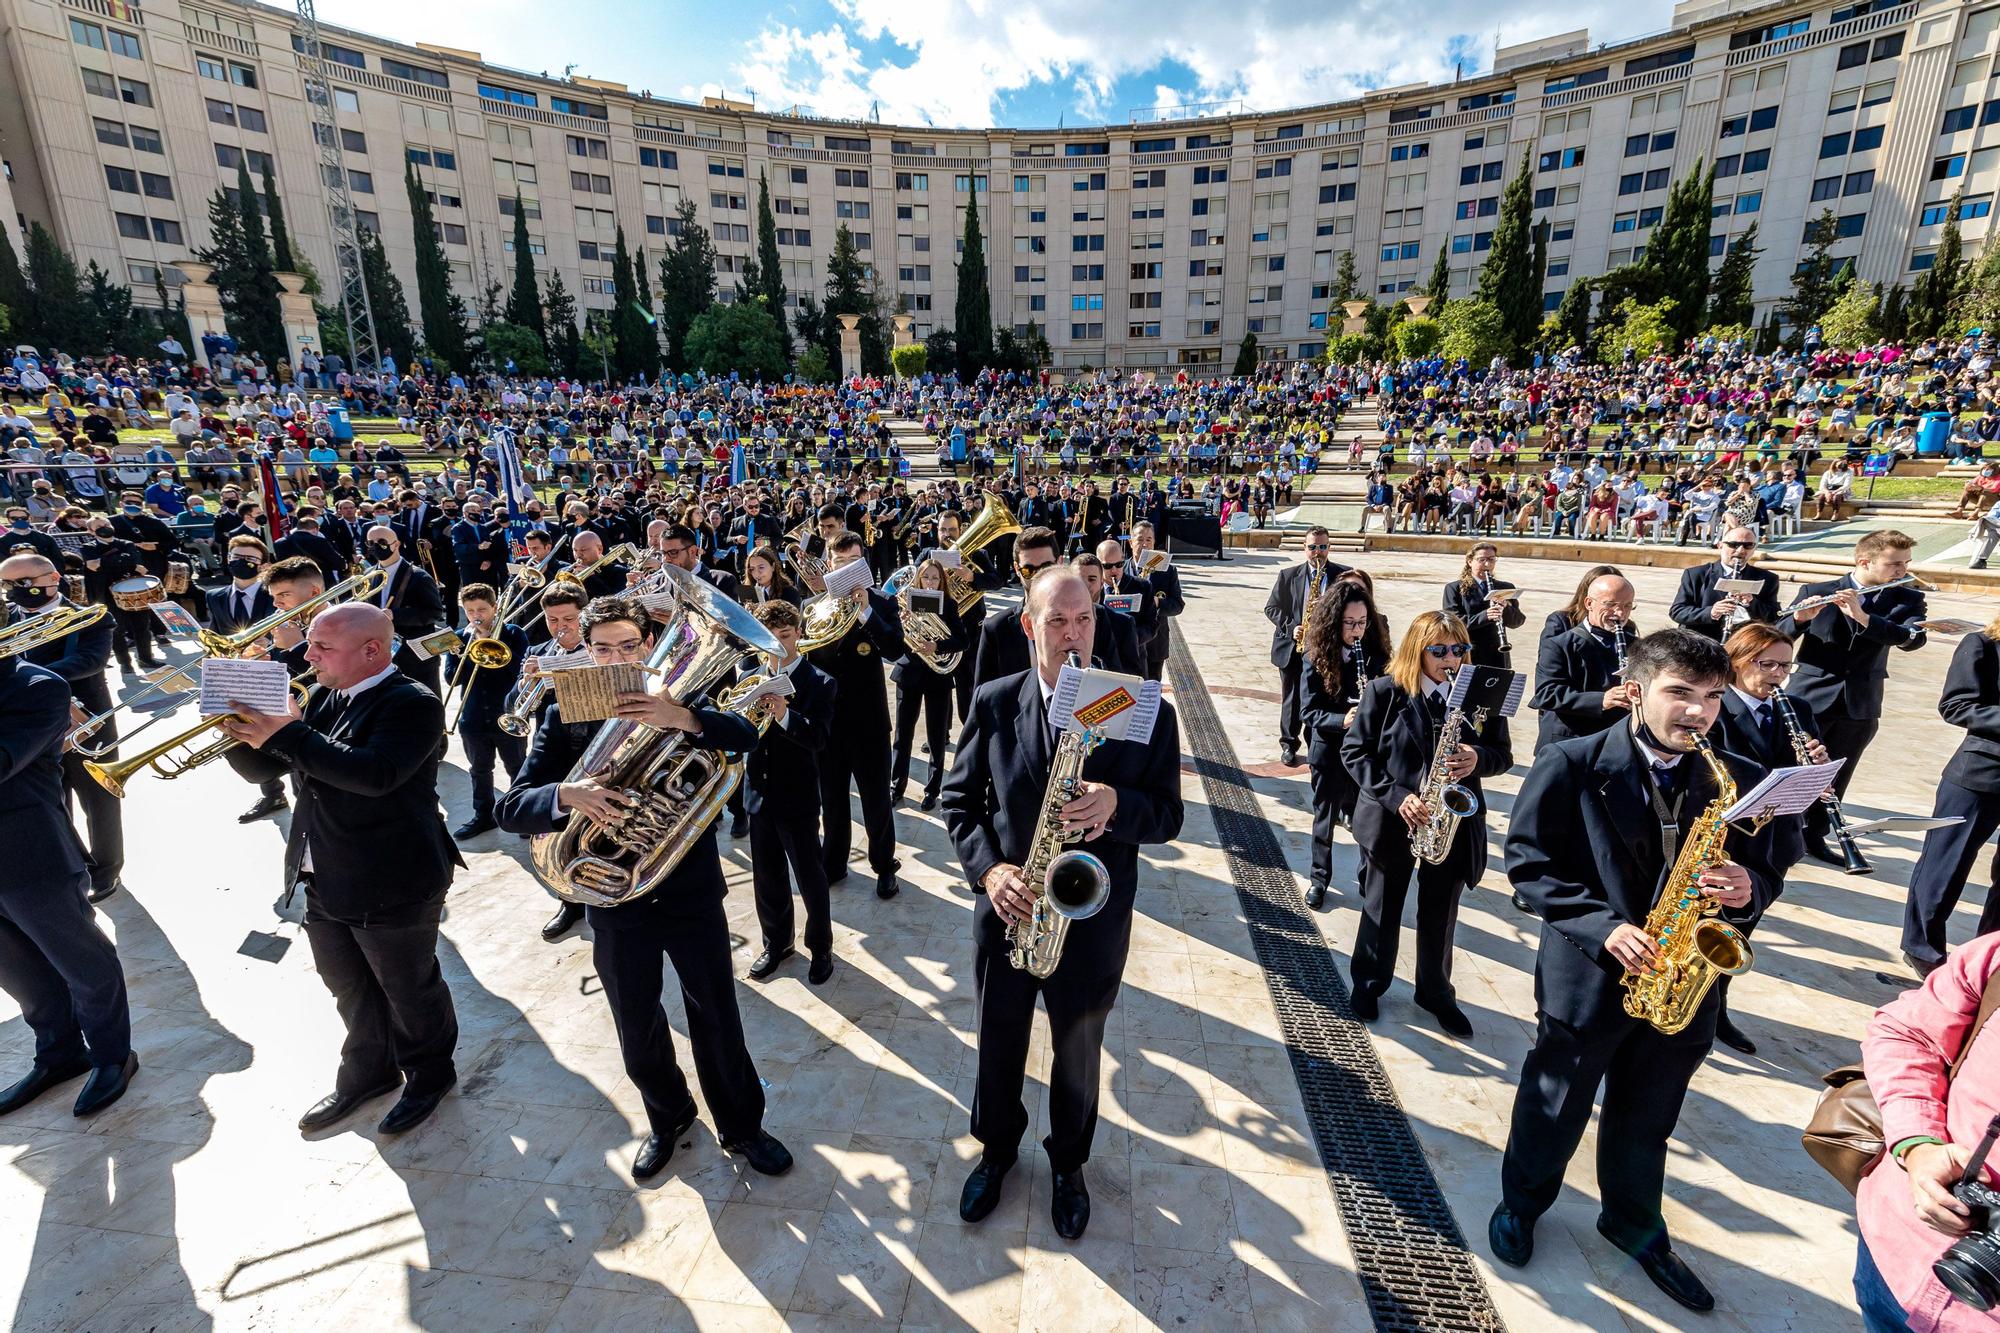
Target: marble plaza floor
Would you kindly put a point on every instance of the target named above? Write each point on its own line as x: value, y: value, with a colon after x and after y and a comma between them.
x: 196, y: 1204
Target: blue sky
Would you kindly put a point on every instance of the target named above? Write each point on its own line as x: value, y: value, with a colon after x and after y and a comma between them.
x: 1006, y: 62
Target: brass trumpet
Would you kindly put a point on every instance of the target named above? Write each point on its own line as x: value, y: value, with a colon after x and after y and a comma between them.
x: 37, y: 631
x: 176, y: 756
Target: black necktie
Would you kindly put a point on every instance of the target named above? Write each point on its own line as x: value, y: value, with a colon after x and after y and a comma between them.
x: 242, y: 608
x: 1667, y: 776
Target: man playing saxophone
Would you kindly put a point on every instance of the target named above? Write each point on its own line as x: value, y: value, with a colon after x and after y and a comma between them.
x: 683, y: 919
x: 1597, y: 826
x: 1128, y: 795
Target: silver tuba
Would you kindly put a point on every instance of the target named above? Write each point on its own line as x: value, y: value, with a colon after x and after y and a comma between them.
x: 1068, y: 885
x: 676, y: 789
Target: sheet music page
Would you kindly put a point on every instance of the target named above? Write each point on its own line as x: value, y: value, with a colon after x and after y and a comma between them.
x: 840, y: 582
x: 1786, y: 791
x: 590, y: 693
x: 259, y: 685
x: 1117, y: 707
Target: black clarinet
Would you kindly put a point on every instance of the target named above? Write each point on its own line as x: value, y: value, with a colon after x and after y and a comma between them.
x: 1850, y: 850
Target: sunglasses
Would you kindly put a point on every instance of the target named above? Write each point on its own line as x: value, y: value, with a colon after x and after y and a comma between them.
x: 1740, y: 546
x: 1448, y: 649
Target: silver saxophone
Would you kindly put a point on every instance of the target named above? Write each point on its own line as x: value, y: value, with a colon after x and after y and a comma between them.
x: 1447, y: 801
x: 1067, y: 885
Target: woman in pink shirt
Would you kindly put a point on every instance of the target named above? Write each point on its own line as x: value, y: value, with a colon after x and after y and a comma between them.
x: 1906, y: 1211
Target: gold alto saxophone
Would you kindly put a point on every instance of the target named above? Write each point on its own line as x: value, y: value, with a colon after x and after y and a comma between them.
x: 1068, y: 885
x: 1695, y: 948
x: 1447, y: 801
x: 1299, y: 631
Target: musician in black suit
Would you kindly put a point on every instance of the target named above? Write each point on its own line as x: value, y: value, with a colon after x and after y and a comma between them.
x: 1589, y: 845
x: 1753, y: 726
x: 291, y: 583
x: 1569, y: 615
x: 348, y: 531
x: 751, y: 529
x: 483, y: 695
x: 412, y: 600
x: 1128, y: 795
x: 781, y: 799
x: 1004, y: 647
x: 1699, y: 606
x: 918, y: 686
x: 1126, y: 655
x: 54, y: 960
x: 1970, y: 789
x: 479, y: 549
x: 424, y: 536
x: 1844, y: 657
x: 308, y: 539
x: 1390, y: 751
x: 978, y: 571
x: 34, y: 587
x: 1348, y: 646
x: 1168, y: 602
x: 155, y: 541
x: 682, y: 920
x: 1119, y: 579
x: 233, y: 607
x: 1577, y: 686
x: 1471, y: 598
x: 369, y: 848
x: 857, y: 756
x: 1296, y: 586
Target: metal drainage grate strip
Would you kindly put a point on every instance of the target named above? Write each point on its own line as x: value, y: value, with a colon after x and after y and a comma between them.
x: 1408, y: 1250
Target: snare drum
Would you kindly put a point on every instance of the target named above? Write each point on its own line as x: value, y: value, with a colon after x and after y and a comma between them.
x: 136, y: 594
x: 74, y: 589
x: 180, y: 577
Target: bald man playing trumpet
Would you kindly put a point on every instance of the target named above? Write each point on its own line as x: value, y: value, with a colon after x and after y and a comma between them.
x: 369, y: 848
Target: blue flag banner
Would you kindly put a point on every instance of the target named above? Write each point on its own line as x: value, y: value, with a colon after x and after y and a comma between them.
x: 739, y: 466
x: 512, y: 483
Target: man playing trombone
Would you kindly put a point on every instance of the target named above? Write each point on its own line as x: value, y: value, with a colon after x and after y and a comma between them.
x: 482, y: 698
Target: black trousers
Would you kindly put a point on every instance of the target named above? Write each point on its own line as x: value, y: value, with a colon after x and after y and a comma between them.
x: 385, y: 980
x: 1333, y: 795
x: 1645, y: 1076
x: 1385, y: 885
x: 1288, y: 699
x: 857, y: 757
x: 103, y: 818
x: 135, y: 634
x: 778, y: 841
x: 922, y: 688
x: 254, y: 766
x: 63, y: 972
x: 1845, y: 738
x: 1942, y: 869
x: 1078, y: 997
x: 481, y: 748
x: 1156, y: 657
x: 961, y: 679
x: 631, y: 955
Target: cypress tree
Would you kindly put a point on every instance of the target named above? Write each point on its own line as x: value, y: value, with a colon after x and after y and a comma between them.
x: 1677, y: 255
x: 846, y: 292
x: 1507, y: 279
x: 260, y: 323
x: 1816, y: 284
x: 629, y: 325
x: 13, y: 286
x: 1730, y: 295
x: 524, y: 306
x: 1935, y: 293
x: 769, y: 279
x: 54, y: 311
x: 281, y: 238
x: 386, y: 301
x: 1346, y: 282
x: 972, y: 324
x: 1439, y: 286
x: 687, y: 282
x: 443, y: 313
x: 561, y: 336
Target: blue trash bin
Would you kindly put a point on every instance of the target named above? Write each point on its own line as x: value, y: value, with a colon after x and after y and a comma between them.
x: 1933, y: 434
x: 343, y: 429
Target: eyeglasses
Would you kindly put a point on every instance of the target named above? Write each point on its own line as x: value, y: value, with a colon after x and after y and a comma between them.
x: 1740, y: 546
x: 1442, y: 650
x: 1321, y: 547
x: 1774, y: 668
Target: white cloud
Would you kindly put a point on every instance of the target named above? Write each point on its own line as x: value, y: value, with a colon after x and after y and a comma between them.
x: 952, y: 61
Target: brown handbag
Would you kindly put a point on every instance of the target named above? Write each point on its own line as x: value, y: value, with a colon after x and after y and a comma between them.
x: 1845, y: 1133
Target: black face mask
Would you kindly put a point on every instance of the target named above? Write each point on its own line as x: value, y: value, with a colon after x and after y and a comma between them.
x: 243, y: 569
x: 381, y: 552
x: 28, y: 597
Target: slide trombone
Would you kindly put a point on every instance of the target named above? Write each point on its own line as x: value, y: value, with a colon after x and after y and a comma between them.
x: 488, y: 652
x: 623, y: 551
x: 34, y: 632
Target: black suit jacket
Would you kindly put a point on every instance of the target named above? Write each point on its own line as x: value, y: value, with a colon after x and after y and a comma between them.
x: 1146, y: 618
x: 1388, y: 752
x: 1738, y: 733
x: 782, y: 774
x: 146, y: 528
x: 1697, y: 593
x: 992, y: 797
x: 1583, y: 847
x: 43, y: 852
x: 855, y: 663
x: 222, y: 617
x: 315, y: 547
x: 489, y: 688
x: 1841, y: 666
x: 1572, y: 673
x: 1971, y: 700
x: 1323, y: 711
x: 1287, y: 601
x: 954, y: 641
x: 367, y: 798
x: 1004, y: 649
x: 1470, y: 605
x: 80, y: 659
x: 415, y: 604
x: 529, y: 806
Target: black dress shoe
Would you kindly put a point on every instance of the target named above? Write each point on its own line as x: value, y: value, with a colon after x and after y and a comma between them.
x: 981, y: 1194
x: 657, y: 1149
x: 341, y: 1105
x: 39, y: 1080
x: 1363, y: 1003
x: 106, y: 1084
x: 473, y: 827
x: 567, y: 918
x: 1450, y: 1017
x: 1523, y: 905
x: 739, y: 827
x: 1817, y: 849
x: 1512, y: 1238
x: 1919, y: 966
x: 821, y: 969
x: 97, y: 893
x: 152, y: 664
x: 1069, y: 1204
x: 266, y: 805
x: 767, y: 962
x: 1668, y: 1272
x: 766, y: 1155
x: 1288, y: 755
x: 1316, y: 897
x: 886, y: 885
x: 929, y: 802
x: 412, y: 1110
x: 1732, y: 1036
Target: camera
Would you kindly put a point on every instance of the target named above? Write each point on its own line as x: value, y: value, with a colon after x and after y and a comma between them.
x: 1970, y: 1269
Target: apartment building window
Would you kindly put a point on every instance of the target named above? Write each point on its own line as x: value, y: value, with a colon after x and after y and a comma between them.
x: 1210, y: 175
x: 1625, y: 222
x: 1959, y: 118
x: 849, y: 178
x: 1758, y: 159
x: 398, y: 69
x: 1867, y: 137
x: 1086, y: 273
x: 1945, y: 168
x: 1282, y: 166
x: 361, y: 182
x: 1402, y: 152
x: 123, y: 179
x: 1725, y: 167
x: 1544, y: 197
x: 851, y: 208
x: 131, y: 226
x: 1834, y: 145
x: 1633, y: 182
x: 339, y: 55
x: 794, y: 236
x: 663, y: 159
x: 103, y: 85
x: 135, y: 92
x: 1763, y: 118
x: 452, y: 232
x: 1850, y: 224
x: 1859, y: 182
x: 86, y: 34
x: 1826, y: 187
x: 1659, y: 178
x: 1886, y: 48
x: 587, y: 250
x: 579, y: 146
x: 1085, y: 332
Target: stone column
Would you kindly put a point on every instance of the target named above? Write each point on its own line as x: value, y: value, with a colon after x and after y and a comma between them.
x: 301, y: 322
x: 1356, y: 321
x: 1417, y: 305
x: 204, y: 305
x: 850, y: 345
x: 905, y: 329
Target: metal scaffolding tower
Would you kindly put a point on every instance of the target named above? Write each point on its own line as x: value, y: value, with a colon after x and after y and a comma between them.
x: 363, y: 354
